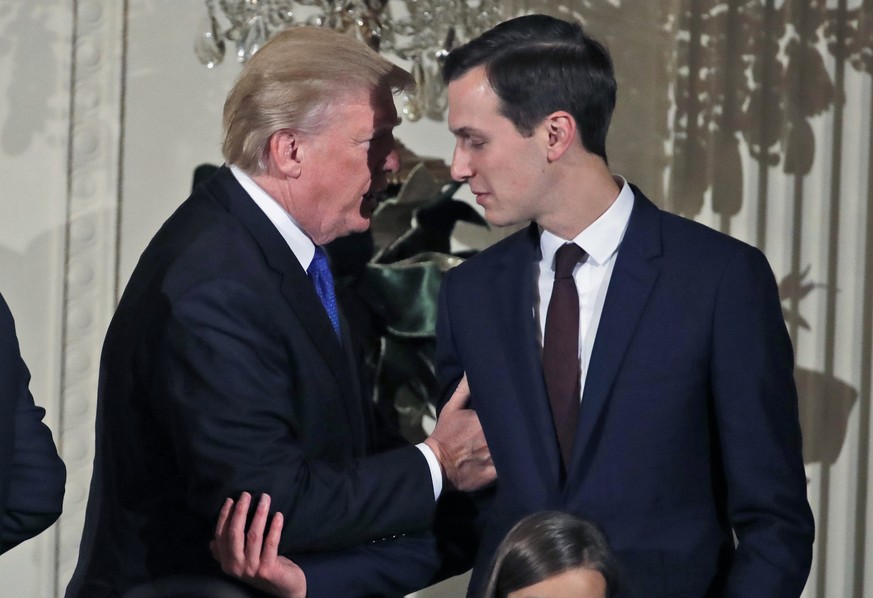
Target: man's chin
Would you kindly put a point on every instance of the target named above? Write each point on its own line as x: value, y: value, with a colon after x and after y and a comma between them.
x: 362, y: 223
x: 495, y: 218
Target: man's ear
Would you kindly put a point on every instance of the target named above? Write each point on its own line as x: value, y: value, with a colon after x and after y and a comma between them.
x: 285, y: 152
x: 561, y: 134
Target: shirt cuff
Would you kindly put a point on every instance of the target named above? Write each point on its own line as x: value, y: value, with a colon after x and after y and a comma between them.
x: 436, y: 472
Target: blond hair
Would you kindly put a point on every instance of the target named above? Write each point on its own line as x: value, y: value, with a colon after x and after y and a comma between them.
x: 291, y: 83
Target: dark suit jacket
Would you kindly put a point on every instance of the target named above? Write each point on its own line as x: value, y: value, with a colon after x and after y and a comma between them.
x: 32, y: 475
x: 221, y: 373
x: 688, y: 428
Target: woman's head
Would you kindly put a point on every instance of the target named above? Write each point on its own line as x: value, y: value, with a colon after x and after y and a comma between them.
x: 549, y: 552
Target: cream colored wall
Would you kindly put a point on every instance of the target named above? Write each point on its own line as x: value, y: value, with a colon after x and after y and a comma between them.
x: 34, y: 123
x: 104, y: 113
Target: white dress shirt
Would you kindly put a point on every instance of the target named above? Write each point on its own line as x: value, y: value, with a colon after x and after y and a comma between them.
x: 600, y: 241
x: 304, y: 250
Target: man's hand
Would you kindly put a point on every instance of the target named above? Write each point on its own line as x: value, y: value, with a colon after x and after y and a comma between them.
x: 459, y: 444
x: 250, y: 556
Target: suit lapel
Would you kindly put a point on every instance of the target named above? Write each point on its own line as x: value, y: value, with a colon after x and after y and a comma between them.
x: 516, y: 300
x: 633, y: 279
x: 296, y: 287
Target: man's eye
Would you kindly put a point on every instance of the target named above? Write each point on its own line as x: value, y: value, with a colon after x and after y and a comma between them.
x: 383, y: 136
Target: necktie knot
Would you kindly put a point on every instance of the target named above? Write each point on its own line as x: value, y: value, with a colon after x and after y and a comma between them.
x: 322, y: 278
x: 566, y: 258
x: 319, y: 265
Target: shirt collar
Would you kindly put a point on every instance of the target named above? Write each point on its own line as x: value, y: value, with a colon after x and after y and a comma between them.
x: 603, y: 236
x: 300, y: 244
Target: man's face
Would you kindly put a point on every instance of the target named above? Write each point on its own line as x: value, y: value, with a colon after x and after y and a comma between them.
x: 347, y: 165
x: 505, y: 170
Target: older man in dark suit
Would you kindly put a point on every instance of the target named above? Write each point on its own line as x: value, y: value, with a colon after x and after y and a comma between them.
x: 228, y: 366
x: 32, y: 475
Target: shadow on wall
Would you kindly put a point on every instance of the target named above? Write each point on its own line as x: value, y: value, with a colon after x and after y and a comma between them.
x: 26, y: 282
x: 25, y: 41
x: 825, y: 401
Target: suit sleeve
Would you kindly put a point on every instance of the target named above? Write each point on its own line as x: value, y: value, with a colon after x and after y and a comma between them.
x: 225, y: 386
x: 390, y: 568
x: 32, y: 488
x: 461, y: 515
x: 449, y: 369
x: 759, y: 433
x: 372, y: 569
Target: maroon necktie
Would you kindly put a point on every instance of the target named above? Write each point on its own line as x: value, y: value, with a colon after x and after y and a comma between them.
x: 561, y: 349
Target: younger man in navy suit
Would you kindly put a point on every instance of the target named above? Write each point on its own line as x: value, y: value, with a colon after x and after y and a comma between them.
x: 628, y: 366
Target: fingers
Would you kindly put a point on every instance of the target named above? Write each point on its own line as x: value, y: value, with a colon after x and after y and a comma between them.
x: 223, y: 517
x: 242, y: 552
x: 236, y: 535
x: 218, y: 545
x: 230, y: 546
x: 488, y: 472
x: 255, y: 534
x: 271, y: 543
x: 459, y: 398
x: 251, y: 556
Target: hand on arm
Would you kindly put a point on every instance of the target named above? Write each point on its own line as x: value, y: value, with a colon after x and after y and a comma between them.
x: 459, y: 444
x: 252, y: 557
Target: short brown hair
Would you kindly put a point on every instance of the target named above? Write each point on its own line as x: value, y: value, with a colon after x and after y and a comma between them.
x: 537, y: 64
x: 291, y: 82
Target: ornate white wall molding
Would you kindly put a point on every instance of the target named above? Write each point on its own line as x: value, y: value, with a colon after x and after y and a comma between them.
x: 91, y: 246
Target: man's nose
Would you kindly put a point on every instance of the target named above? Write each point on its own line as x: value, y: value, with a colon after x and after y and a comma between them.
x: 392, y: 161
x: 460, y: 169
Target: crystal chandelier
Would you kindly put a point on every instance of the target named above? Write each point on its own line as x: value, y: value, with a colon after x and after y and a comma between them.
x: 421, y: 32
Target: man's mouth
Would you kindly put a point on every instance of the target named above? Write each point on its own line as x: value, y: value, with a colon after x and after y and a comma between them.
x: 372, y: 199
x: 375, y: 197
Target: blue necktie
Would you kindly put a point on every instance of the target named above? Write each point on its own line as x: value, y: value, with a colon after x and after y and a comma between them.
x: 319, y: 272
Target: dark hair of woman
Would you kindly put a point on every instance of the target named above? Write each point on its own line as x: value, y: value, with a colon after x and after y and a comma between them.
x: 546, y: 544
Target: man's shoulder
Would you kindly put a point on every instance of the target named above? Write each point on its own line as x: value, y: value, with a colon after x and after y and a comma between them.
x: 699, y: 243
x: 681, y: 235
x: 201, y: 241
x: 7, y: 328
x: 493, y: 255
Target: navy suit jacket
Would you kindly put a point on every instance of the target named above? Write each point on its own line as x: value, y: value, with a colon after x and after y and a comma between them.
x: 688, y: 430
x: 32, y: 475
x: 220, y: 373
